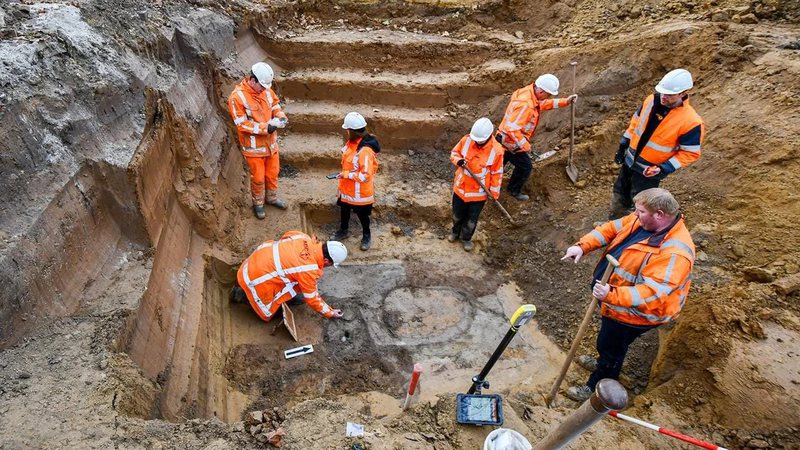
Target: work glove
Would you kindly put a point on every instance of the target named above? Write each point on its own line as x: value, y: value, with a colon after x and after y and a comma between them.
x: 278, y: 122
x: 574, y: 252
x: 461, y: 162
x: 271, y: 129
x: 619, y: 158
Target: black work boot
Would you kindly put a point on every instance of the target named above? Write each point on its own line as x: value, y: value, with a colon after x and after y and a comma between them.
x: 520, y: 196
x: 341, y: 235
x: 238, y: 295
x: 259, y: 212
x: 366, y: 240
x: 620, y: 206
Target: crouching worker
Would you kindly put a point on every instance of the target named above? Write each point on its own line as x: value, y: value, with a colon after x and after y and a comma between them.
x: 482, y: 155
x: 278, y: 271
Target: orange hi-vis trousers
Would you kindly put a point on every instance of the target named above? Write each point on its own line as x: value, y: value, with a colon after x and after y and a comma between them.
x: 263, y: 173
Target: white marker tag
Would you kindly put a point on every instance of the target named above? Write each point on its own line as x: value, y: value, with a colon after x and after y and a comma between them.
x: 298, y: 351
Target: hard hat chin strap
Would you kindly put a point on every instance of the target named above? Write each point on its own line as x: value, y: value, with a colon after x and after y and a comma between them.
x: 325, y: 253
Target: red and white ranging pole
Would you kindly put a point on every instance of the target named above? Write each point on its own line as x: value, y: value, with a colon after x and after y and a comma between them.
x: 676, y: 435
x: 412, y: 387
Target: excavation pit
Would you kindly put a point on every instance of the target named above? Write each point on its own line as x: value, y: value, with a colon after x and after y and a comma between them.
x: 128, y: 211
x: 387, y: 327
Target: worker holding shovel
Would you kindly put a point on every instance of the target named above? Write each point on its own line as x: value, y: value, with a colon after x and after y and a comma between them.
x: 479, y: 161
x: 520, y: 122
x: 656, y: 255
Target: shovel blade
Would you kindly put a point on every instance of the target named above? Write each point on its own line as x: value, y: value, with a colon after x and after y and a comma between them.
x: 572, y: 173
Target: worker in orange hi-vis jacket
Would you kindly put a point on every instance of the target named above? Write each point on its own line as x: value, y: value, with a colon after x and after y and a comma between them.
x: 664, y: 135
x: 656, y: 256
x: 357, y: 178
x: 257, y: 114
x: 479, y: 152
x: 519, y: 124
x: 279, y: 271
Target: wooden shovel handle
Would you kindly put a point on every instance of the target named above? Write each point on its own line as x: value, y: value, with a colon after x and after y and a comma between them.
x: 489, y: 194
x: 587, y: 317
x: 572, y: 117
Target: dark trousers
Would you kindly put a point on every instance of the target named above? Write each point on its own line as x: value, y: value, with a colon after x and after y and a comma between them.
x: 612, y: 346
x: 522, y: 170
x: 465, y: 217
x: 628, y: 184
x: 362, y: 211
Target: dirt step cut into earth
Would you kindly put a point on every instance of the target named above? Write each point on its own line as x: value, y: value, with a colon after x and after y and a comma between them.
x: 126, y: 212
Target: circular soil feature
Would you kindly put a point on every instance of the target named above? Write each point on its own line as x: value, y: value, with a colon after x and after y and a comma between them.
x: 428, y: 312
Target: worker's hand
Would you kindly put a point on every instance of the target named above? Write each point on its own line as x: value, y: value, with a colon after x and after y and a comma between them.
x: 461, y: 162
x: 341, y: 175
x: 278, y: 122
x: 652, y: 171
x: 575, y: 252
x: 572, y: 99
x: 337, y: 314
x: 271, y: 129
x: 600, y: 291
x: 619, y: 158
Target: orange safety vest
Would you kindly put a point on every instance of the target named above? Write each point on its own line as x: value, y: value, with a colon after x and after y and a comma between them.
x: 675, y: 143
x: 654, y: 276
x: 356, y: 186
x: 485, y: 162
x: 271, y: 275
x: 522, y: 117
x: 251, y: 112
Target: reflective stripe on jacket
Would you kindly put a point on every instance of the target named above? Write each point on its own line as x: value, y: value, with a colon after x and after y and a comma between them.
x: 654, y: 276
x: 251, y: 112
x: 357, y: 184
x: 522, y: 117
x: 485, y: 162
x: 675, y: 143
x: 275, y: 272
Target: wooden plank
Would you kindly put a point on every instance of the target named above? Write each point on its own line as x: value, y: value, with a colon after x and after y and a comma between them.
x: 288, y: 320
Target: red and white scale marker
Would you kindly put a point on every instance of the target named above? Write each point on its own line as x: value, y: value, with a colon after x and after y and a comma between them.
x: 661, y: 430
x: 412, y: 386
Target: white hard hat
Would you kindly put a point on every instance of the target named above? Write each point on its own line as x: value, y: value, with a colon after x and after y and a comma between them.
x: 354, y: 121
x: 505, y: 439
x: 548, y: 83
x: 263, y: 73
x: 481, y: 130
x: 675, y: 82
x: 337, y: 251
